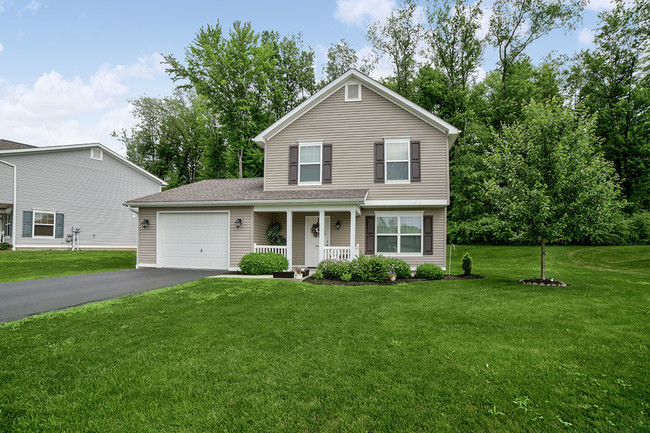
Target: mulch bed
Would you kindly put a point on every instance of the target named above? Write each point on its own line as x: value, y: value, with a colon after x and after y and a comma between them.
x: 326, y: 282
x: 547, y: 282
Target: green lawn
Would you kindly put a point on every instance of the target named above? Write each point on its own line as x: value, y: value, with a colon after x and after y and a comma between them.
x: 29, y: 265
x: 261, y: 355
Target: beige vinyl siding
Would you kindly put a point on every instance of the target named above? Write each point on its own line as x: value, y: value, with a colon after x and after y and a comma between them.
x: 241, y: 239
x: 352, y: 128
x: 338, y: 238
x: 261, y: 224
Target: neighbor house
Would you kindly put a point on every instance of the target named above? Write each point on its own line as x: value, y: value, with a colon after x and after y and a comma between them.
x: 356, y: 159
x: 46, y: 192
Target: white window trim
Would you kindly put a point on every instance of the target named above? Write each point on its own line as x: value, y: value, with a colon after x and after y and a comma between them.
x: 302, y: 144
x: 101, y: 153
x: 393, y: 140
x: 34, y: 235
x: 354, y: 83
x: 399, y: 234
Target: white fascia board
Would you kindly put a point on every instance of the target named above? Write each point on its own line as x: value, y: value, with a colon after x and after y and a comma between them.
x: 83, y: 146
x: 298, y: 202
x: 405, y: 203
x: 392, y: 96
x: 314, y: 207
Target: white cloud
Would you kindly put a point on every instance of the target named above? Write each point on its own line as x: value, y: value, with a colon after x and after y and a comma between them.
x: 2, y: 47
x: 600, y: 5
x: 359, y: 12
x: 32, y: 6
x: 586, y: 36
x: 482, y: 31
x: 2, y: 6
x: 57, y: 110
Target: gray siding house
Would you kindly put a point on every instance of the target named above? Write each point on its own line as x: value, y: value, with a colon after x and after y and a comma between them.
x: 47, y: 191
x: 355, y: 169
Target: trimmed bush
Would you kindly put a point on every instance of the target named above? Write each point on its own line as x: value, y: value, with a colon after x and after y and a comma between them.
x: 370, y: 268
x: 346, y: 276
x: 466, y: 263
x: 334, y: 269
x: 400, y: 267
x: 263, y: 263
x: 429, y: 271
x: 318, y: 275
x: 5, y: 246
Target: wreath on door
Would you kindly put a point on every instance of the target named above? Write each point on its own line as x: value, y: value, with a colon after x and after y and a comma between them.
x: 314, y: 230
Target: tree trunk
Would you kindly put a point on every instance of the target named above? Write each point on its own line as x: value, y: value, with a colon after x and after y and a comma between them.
x: 543, y: 259
x: 240, y: 157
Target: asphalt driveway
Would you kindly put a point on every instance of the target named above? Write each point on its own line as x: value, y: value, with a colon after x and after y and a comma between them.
x: 25, y: 298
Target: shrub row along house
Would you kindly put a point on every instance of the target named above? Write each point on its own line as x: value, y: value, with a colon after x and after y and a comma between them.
x: 47, y: 192
x: 354, y: 169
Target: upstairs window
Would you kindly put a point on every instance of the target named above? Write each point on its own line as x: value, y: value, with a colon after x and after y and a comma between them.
x: 96, y: 153
x: 352, y: 92
x: 309, y: 164
x: 397, y: 160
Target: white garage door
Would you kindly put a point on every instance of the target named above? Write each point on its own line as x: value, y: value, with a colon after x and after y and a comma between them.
x: 197, y: 240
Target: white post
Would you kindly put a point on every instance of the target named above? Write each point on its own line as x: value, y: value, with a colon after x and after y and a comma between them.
x: 321, y: 235
x: 353, y: 232
x: 290, y: 238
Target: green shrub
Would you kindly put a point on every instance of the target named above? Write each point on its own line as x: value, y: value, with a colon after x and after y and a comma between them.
x: 318, y: 275
x: 370, y: 268
x: 346, y: 276
x: 263, y: 263
x: 400, y: 267
x: 5, y: 246
x: 466, y: 263
x: 429, y: 271
x: 333, y: 269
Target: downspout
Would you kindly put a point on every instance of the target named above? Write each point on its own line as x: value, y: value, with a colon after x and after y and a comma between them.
x: 137, y: 236
x: 14, y: 208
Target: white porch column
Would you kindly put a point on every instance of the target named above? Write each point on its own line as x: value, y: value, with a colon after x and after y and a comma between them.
x: 321, y: 235
x: 353, y: 232
x: 290, y: 238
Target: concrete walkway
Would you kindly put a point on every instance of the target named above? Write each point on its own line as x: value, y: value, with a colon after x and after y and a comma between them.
x: 25, y: 298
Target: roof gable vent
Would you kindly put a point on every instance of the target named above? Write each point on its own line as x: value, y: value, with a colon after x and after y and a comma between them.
x: 352, y: 92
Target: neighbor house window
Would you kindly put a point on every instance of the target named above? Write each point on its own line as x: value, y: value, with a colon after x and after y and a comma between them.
x: 44, y: 224
x: 399, y: 234
x: 352, y: 92
x: 96, y: 153
x: 397, y: 160
x: 309, y: 164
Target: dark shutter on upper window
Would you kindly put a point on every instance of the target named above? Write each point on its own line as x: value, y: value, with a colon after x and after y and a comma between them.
x: 293, y: 165
x: 327, y: 163
x: 427, y: 233
x: 379, y: 162
x: 370, y: 235
x: 27, y: 223
x: 415, y: 161
x: 58, y: 232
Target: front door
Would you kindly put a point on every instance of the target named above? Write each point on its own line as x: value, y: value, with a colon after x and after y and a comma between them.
x: 311, y: 242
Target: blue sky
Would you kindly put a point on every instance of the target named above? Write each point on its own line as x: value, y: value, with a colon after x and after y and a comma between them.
x: 68, y: 68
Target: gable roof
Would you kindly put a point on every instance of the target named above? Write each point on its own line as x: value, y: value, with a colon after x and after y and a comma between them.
x: 242, y: 191
x: 44, y: 149
x: 430, y: 118
x: 8, y: 144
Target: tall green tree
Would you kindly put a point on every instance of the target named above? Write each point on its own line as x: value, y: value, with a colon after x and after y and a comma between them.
x: 340, y: 58
x: 398, y: 37
x: 232, y: 74
x: 611, y: 81
x: 549, y: 181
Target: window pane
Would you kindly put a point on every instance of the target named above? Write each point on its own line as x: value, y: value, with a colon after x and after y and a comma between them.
x: 310, y: 173
x: 386, y: 244
x: 43, y: 230
x: 386, y: 225
x: 397, y: 170
x: 411, y: 224
x: 397, y: 151
x: 410, y: 244
x: 43, y: 218
x: 310, y: 153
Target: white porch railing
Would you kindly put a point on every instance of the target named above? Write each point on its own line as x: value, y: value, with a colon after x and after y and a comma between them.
x: 340, y: 253
x: 281, y: 249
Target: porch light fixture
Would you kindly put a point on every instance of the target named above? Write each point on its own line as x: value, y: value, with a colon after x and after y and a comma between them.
x: 144, y: 223
x: 238, y: 222
x: 338, y: 225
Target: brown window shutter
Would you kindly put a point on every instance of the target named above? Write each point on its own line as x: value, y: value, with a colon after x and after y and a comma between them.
x: 327, y: 163
x: 370, y: 235
x: 428, y: 235
x: 293, y: 165
x: 379, y: 162
x: 415, y: 161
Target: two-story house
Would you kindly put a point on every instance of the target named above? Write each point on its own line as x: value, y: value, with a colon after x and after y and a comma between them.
x: 354, y: 169
x: 47, y: 193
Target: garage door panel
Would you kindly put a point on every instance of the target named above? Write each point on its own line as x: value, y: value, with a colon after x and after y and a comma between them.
x: 194, y: 240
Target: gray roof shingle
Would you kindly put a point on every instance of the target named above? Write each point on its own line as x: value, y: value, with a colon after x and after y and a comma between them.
x: 241, y: 190
x: 10, y: 145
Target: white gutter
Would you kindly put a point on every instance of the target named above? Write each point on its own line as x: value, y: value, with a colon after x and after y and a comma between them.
x: 14, y: 209
x: 244, y: 202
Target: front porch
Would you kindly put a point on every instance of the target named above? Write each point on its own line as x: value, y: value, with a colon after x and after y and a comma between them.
x: 306, y: 244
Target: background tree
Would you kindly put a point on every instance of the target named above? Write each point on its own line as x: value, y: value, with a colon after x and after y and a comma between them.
x: 340, y: 58
x: 549, y: 181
